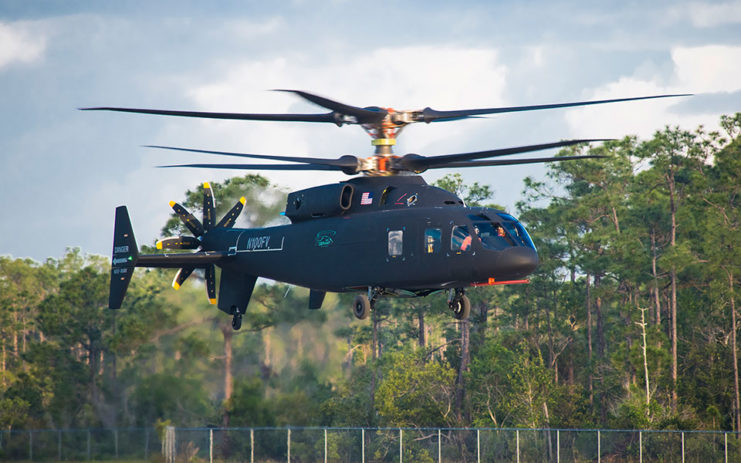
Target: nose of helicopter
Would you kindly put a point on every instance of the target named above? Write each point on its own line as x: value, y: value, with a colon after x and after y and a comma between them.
x: 517, y: 261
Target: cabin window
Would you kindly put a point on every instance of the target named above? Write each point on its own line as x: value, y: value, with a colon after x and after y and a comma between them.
x: 460, y: 239
x: 432, y: 240
x: 396, y: 240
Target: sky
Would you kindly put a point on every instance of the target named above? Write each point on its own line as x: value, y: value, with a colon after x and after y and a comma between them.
x: 63, y: 171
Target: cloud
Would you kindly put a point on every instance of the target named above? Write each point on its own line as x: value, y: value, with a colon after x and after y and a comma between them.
x: 706, y: 15
x: 709, y: 69
x: 19, y: 44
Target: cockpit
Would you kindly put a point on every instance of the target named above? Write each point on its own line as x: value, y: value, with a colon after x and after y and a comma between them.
x: 500, y: 231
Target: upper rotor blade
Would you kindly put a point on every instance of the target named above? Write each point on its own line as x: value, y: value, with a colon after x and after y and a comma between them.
x: 509, y: 162
x: 363, y: 115
x: 430, y: 115
x: 327, y: 117
x: 210, y: 277
x: 258, y: 166
x: 419, y: 163
x: 345, y: 162
x: 178, y: 242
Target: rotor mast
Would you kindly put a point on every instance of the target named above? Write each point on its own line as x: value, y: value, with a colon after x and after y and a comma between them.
x: 383, y: 138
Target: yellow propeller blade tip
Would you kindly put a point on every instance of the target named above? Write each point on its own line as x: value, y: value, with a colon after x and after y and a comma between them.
x: 175, y: 285
x: 172, y: 203
x: 159, y: 244
x: 243, y: 200
x: 206, y: 185
x: 212, y: 301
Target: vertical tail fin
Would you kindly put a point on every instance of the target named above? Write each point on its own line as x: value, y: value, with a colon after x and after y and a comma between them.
x: 125, y: 255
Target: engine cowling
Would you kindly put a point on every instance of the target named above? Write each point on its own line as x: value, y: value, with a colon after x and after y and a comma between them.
x: 318, y: 202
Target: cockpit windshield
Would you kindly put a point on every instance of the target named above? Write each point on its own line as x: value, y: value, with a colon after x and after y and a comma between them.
x: 502, y: 232
x: 515, y: 228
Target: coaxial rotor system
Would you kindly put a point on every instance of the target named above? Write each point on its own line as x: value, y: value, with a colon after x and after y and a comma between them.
x: 383, y: 125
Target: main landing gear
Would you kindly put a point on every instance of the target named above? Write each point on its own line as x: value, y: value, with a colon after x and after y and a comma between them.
x: 237, y: 318
x: 459, y: 303
x: 363, y: 304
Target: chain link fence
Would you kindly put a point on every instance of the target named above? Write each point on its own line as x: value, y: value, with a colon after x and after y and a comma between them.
x: 361, y: 445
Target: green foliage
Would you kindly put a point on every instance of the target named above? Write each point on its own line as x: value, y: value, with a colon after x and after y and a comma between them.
x: 566, y: 351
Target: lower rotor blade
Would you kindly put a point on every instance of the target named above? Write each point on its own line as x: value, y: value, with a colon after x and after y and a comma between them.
x: 188, y: 219
x: 181, y: 276
x: 211, y: 283
x: 208, y: 206
x: 179, y: 242
x: 510, y: 162
x: 416, y: 162
x: 345, y: 162
x: 231, y: 217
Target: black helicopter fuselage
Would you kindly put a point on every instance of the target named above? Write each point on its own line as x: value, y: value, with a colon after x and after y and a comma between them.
x: 397, y: 233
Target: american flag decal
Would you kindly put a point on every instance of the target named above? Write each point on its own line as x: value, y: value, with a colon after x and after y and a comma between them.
x: 366, y: 198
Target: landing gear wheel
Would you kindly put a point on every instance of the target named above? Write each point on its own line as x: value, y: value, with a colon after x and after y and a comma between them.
x: 361, y: 307
x: 461, y: 307
x: 237, y: 320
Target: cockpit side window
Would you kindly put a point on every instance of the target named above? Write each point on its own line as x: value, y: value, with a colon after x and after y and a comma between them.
x: 433, y: 237
x: 460, y: 239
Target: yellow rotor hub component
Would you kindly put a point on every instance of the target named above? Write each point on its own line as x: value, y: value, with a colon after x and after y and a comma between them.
x: 383, y: 142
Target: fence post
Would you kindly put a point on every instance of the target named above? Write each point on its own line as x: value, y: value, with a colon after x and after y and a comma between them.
x: 252, y: 445
x: 362, y: 445
x: 401, y: 448
x: 725, y: 446
x: 640, y: 446
x: 558, y: 446
x: 289, y: 445
x: 211, y: 445
x: 599, y: 447
x: 682, y: 447
x: 478, y: 446
x: 439, y: 447
x: 517, y: 435
x: 325, y: 445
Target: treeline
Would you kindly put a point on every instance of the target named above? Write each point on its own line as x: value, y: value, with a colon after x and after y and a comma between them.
x: 629, y: 322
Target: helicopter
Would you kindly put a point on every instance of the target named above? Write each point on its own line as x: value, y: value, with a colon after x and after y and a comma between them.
x: 385, y: 232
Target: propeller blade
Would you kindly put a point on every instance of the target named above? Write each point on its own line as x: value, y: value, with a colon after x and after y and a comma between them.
x: 231, y: 217
x: 179, y: 242
x: 188, y: 219
x: 327, y: 117
x: 258, y: 166
x: 430, y: 115
x: 181, y: 276
x: 509, y: 162
x: 416, y: 162
x: 208, y: 206
x: 362, y: 115
x: 344, y: 162
x: 210, y: 276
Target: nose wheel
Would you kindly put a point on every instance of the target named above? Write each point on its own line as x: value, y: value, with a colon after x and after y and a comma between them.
x: 459, y: 303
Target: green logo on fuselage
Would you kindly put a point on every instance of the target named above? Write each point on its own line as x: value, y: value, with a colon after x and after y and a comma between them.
x: 324, y: 238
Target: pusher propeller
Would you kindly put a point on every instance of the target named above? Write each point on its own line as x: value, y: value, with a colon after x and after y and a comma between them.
x: 199, y: 229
